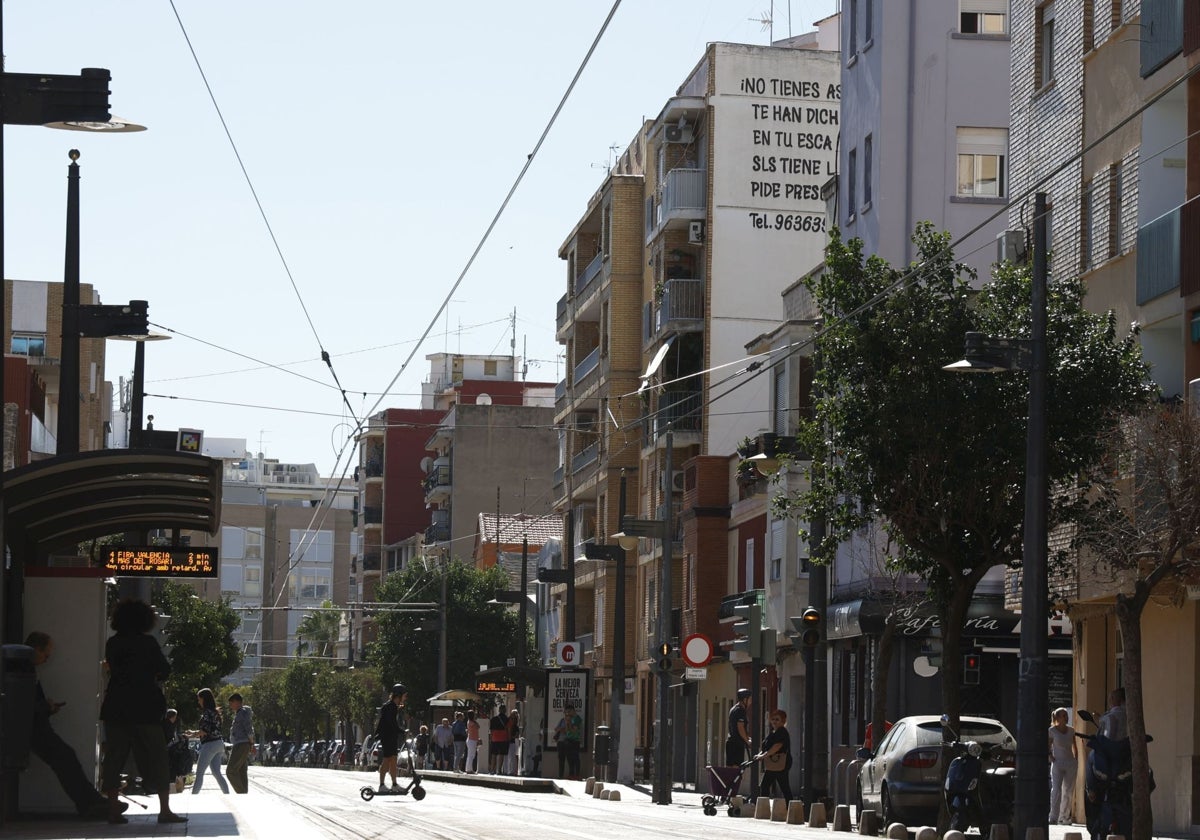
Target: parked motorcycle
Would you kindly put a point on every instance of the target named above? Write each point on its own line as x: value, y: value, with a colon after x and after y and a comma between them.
x: 1108, y: 804
x: 979, y: 783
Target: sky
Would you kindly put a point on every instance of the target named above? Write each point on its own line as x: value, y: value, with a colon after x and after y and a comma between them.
x: 381, y: 137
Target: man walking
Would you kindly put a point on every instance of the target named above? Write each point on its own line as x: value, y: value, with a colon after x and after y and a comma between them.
x: 738, y: 741
x: 241, y: 735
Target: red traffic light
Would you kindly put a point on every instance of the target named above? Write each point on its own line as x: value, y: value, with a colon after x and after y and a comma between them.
x: 971, y: 662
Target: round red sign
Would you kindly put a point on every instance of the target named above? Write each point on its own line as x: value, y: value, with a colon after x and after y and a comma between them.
x: 697, y: 650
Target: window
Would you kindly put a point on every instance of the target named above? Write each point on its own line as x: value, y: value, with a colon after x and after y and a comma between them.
x: 983, y: 17
x: 749, y: 564
x: 851, y: 182
x: 1044, y: 45
x: 981, y: 160
x: 1089, y: 233
x: 852, y: 50
x: 867, y: 172
x: 778, y: 541
x: 868, y: 29
x: 252, y: 580
x: 33, y: 346
x: 489, y: 367
x: 313, y: 546
x: 598, y: 633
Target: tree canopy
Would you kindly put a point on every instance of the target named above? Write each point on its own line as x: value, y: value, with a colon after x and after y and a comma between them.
x: 938, y: 459
x: 479, y: 633
x: 200, y: 643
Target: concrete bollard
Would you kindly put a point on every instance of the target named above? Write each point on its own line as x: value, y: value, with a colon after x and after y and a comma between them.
x: 779, y: 809
x: 816, y: 815
x: 737, y: 803
x: 597, y: 789
x: 868, y: 823
x: 762, y: 808
x: 927, y: 833
x: 897, y: 831
x: 616, y: 795
x: 1035, y: 834
x: 951, y: 835
x: 589, y: 784
x: 606, y: 795
x: 841, y: 818
x: 999, y: 832
x: 795, y: 814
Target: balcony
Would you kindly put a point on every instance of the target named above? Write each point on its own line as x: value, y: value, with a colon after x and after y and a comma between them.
x: 585, y: 457
x: 679, y: 408
x: 372, y: 515
x: 1158, y: 256
x: 586, y: 282
x: 741, y: 599
x: 582, y: 370
x: 681, y: 309
x: 370, y: 561
x: 437, y: 483
x: 683, y: 196
x: 437, y: 532
x: 1161, y: 33
x: 373, y: 468
x: 564, y: 312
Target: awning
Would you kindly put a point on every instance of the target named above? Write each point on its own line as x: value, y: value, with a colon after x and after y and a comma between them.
x: 72, y: 498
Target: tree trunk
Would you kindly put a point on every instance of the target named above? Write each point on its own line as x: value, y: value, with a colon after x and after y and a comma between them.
x: 880, y: 672
x: 1129, y: 616
x: 953, y: 616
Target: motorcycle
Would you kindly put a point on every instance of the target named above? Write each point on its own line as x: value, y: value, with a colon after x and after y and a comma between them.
x: 979, y: 783
x: 1108, y: 785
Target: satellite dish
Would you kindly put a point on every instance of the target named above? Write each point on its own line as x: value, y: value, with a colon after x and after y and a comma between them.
x: 483, y: 399
x: 426, y: 463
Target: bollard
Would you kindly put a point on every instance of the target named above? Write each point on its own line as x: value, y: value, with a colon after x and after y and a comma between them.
x: 1035, y: 834
x: 737, y: 803
x: 816, y: 815
x: 616, y: 795
x: 762, y: 808
x: 589, y: 784
x: 597, y: 789
x: 897, y: 831
x: 779, y: 809
x: 1000, y: 832
x: 795, y: 814
x: 951, y: 835
x: 868, y: 823
x: 1073, y: 835
x: 927, y: 833
x: 606, y: 795
x: 841, y: 818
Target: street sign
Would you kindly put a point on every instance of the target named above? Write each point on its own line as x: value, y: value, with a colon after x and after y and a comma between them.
x: 161, y: 561
x: 695, y: 673
x: 568, y: 654
x: 697, y: 651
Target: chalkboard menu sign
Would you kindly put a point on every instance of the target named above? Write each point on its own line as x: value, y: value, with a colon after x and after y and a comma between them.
x: 1058, y: 683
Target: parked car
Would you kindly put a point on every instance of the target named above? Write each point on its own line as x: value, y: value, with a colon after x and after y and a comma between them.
x: 902, y: 779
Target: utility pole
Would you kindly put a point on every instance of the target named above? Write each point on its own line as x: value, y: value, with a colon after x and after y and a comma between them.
x: 665, y: 757
x: 442, y: 632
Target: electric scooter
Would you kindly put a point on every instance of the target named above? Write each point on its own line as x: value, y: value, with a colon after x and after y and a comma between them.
x: 1108, y: 803
x: 367, y: 792
x: 979, y: 784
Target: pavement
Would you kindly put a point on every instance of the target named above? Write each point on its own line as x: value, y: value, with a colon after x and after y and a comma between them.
x: 265, y: 817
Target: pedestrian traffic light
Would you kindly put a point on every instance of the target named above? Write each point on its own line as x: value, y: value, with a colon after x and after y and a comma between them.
x: 748, y: 632
x: 971, y: 669
x: 808, y: 627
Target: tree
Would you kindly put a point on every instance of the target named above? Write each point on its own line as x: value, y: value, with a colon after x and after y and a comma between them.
x: 1141, y: 524
x: 271, y: 713
x: 351, y: 695
x: 319, y: 631
x: 201, y: 647
x: 939, y: 459
x: 478, y: 632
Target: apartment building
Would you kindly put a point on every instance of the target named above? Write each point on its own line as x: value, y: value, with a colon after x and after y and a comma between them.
x: 32, y: 350
x: 1104, y: 113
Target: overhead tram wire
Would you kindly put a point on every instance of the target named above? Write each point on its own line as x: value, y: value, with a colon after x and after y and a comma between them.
x: 325, y: 357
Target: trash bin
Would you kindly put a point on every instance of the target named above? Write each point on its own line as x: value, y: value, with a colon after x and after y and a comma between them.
x: 600, y: 746
x: 17, y: 691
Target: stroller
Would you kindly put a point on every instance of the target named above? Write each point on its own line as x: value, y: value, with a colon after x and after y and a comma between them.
x: 724, y: 783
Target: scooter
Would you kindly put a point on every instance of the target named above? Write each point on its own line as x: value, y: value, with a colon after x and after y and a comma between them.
x: 367, y: 792
x: 979, y: 783
x: 1108, y: 804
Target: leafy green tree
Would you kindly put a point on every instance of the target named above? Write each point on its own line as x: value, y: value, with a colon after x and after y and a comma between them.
x: 318, y: 631
x: 937, y: 459
x: 304, y: 710
x: 350, y: 695
x: 201, y: 646
x: 478, y: 632
x: 271, y: 713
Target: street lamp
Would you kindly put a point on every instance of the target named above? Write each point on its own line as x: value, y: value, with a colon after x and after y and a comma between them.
x: 988, y: 354
x: 138, y: 386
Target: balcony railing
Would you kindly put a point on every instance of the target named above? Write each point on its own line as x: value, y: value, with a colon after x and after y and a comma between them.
x: 373, y: 467
x: 1158, y: 257
x: 585, y: 457
x: 560, y: 390
x: 373, y: 515
x: 590, y: 362
x: 1161, y: 33
x: 679, y: 408
x: 682, y: 300
x: 741, y: 599
x: 437, y: 532
x: 563, y: 311
x: 438, y: 477
x: 370, y: 561
x: 583, y: 284
x: 683, y: 194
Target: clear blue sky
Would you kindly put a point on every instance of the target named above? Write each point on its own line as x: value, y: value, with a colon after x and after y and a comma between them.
x: 381, y: 136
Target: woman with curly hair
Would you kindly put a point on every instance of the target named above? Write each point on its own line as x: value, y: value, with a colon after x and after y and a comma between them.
x: 134, y: 707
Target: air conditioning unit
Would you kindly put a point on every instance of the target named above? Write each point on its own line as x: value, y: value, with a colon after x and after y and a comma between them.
x: 679, y: 134
x: 676, y: 481
x: 696, y: 232
x: 1010, y: 246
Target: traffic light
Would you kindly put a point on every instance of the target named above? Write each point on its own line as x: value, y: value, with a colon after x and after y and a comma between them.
x: 664, y: 657
x: 971, y: 669
x: 748, y: 632
x: 808, y: 627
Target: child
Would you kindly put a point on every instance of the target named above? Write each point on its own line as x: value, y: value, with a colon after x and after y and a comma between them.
x: 422, y: 746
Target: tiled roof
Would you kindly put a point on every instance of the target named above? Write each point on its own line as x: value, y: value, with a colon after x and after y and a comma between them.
x: 513, y: 527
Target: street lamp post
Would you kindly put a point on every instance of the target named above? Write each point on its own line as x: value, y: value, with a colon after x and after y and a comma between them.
x: 1032, y: 799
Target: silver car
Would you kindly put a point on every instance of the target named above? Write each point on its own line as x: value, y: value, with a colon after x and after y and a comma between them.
x: 902, y: 780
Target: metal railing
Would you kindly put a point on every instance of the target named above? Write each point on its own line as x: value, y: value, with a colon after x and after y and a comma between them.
x: 740, y: 599
x: 585, y: 457
x: 590, y: 362
x: 437, y: 532
x: 373, y: 515
x: 439, y: 476
x: 683, y: 192
x: 590, y: 273
x: 681, y: 409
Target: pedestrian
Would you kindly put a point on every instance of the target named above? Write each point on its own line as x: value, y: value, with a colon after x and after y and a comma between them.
x: 443, y: 745
x: 134, y: 707
x: 47, y: 745
x: 568, y: 736
x: 511, y: 762
x: 1064, y: 758
x: 179, y: 755
x: 1113, y: 724
x: 498, y: 740
x: 472, y: 742
x: 459, y: 730
x: 212, y: 742
x: 738, y: 740
x: 421, y: 746
x: 241, y: 735
x: 776, y: 756
x: 389, y: 732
